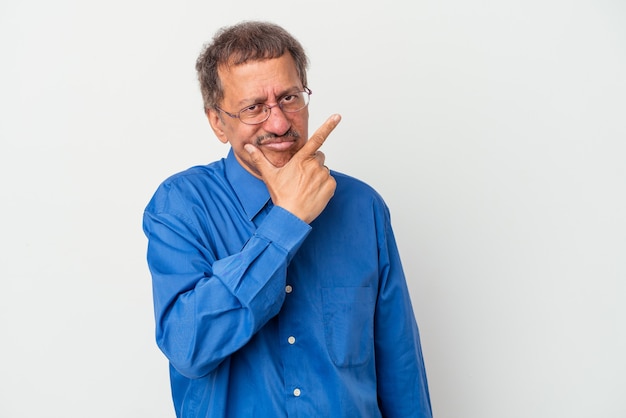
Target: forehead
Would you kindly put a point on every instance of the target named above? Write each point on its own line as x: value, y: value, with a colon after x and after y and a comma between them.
x: 259, y: 79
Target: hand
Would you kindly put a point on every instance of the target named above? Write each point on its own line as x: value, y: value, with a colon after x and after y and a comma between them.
x: 304, y: 185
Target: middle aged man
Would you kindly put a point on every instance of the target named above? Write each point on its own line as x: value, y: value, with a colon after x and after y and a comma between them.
x: 278, y: 288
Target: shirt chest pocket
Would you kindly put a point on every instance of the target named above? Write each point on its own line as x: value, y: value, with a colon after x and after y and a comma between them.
x: 349, y: 324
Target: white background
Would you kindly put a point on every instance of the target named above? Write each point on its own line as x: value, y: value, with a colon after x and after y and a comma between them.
x: 495, y: 131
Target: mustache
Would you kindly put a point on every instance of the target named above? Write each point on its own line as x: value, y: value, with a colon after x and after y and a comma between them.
x: 289, y: 134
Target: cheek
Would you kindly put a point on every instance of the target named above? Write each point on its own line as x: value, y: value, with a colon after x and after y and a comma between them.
x: 301, y: 125
x: 241, y: 135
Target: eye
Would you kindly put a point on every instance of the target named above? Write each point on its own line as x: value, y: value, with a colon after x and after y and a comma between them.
x: 289, y: 98
x: 252, y: 109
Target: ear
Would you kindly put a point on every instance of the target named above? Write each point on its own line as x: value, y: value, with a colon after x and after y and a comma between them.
x: 217, y: 124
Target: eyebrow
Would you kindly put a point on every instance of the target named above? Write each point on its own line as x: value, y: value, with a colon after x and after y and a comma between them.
x: 259, y: 100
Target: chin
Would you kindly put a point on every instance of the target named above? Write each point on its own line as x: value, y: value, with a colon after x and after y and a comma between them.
x: 280, y: 162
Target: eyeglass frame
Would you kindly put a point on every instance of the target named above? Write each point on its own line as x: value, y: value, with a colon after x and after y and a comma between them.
x: 238, y: 114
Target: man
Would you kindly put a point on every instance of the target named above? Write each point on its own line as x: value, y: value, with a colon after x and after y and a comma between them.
x: 278, y: 288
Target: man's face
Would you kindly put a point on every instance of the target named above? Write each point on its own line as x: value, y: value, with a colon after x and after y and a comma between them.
x: 267, y: 81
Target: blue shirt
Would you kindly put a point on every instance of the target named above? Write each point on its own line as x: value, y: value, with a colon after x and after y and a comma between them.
x: 263, y: 315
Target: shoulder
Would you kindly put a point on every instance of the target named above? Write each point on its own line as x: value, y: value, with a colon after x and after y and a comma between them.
x: 349, y: 187
x: 357, y: 195
x: 194, y: 183
x: 196, y: 174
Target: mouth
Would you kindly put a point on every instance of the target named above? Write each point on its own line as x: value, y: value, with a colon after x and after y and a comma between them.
x: 278, y: 142
x: 278, y: 145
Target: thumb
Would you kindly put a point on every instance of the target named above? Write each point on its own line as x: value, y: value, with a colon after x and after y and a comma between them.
x: 258, y: 160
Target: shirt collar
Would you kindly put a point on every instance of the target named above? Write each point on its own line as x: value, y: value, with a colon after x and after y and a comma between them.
x: 251, y: 191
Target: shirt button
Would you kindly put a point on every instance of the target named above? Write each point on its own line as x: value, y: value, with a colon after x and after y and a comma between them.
x: 291, y: 340
x: 288, y: 289
x: 296, y: 392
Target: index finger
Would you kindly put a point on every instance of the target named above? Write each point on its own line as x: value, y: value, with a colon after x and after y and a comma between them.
x: 317, y: 139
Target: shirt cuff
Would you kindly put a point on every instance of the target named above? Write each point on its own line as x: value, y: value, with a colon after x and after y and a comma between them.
x: 284, y: 229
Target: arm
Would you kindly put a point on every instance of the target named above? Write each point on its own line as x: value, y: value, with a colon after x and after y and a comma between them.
x: 402, y: 384
x: 205, y: 308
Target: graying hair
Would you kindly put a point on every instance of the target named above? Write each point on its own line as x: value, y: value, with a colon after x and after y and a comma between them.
x: 238, y: 44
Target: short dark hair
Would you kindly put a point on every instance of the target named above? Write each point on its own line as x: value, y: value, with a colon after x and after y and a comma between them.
x: 240, y: 43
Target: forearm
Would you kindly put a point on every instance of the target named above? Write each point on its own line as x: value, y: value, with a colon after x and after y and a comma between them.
x: 400, y: 363
x: 208, y: 308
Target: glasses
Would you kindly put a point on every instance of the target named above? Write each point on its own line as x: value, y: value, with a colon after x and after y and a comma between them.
x: 260, y: 112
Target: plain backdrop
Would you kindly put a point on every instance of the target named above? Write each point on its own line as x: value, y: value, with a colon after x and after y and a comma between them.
x: 495, y: 130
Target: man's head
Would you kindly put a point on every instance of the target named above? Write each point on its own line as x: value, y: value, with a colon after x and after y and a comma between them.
x: 256, y: 68
x: 239, y: 44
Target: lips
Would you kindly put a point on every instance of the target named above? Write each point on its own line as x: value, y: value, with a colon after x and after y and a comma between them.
x: 278, y: 144
x: 275, y: 140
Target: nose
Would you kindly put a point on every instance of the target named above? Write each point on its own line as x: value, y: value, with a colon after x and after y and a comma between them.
x: 277, y: 123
